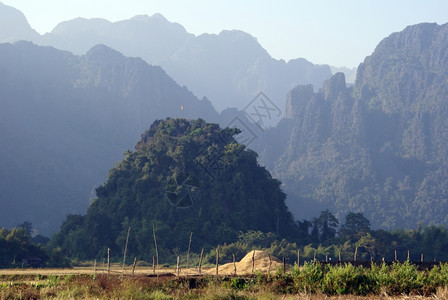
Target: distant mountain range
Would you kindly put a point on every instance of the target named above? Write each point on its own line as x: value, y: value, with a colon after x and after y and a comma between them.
x: 380, y: 147
x: 66, y: 119
x: 230, y: 68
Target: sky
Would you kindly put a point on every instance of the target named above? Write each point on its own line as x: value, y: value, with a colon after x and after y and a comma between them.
x: 335, y: 32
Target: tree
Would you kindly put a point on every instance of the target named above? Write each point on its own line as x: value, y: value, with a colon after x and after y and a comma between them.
x: 355, y: 223
x: 326, y: 225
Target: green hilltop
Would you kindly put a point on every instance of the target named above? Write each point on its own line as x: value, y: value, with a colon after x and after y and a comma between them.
x: 184, y: 176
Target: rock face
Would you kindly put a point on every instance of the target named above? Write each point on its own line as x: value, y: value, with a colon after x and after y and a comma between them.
x: 66, y: 119
x: 379, y: 147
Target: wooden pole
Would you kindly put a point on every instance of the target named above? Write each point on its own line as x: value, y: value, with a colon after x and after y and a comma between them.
x: 155, y: 244
x: 356, y: 253
x: 125, y: 249
x: 270, y: 264
x: 154, y: 264
x: 217, y: 261
x: 234, y: 265
x: 108, y: 261
x: 188, y: 252
x: 94, y: 269
x: 200, y: 261
x: 177, y: 266
x: 133, y: 266
x: 326, y: 257
x: 421, y: 257
x: 284, y: 265
x: 253, y: 262
x: 298, y: 258
x: 339, y: 255
x: 408, y: 255
x: 314, y: 258
x: 395, y: 254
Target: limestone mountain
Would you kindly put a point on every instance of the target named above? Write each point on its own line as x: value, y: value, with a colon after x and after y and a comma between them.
x: 184, y: 176
x: 379, y: 147
x: 66, y: 119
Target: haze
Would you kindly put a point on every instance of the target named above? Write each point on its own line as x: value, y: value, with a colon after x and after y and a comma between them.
x: 287, y: 29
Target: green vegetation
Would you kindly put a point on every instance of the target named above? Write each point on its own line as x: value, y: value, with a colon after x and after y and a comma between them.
x: 325, y: 280
x: 184, y: 176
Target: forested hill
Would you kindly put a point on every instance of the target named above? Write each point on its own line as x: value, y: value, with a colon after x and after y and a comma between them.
x: 66, y: 119
x: 380, y: 147
x: 184, y: 176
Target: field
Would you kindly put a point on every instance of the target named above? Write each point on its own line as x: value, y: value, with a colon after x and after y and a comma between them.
x: 254, y: 280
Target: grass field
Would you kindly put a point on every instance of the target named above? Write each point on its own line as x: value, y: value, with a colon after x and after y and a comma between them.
x: 87, y: 282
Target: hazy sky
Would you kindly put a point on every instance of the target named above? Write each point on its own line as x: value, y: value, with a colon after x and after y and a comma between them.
x: 337, y: 32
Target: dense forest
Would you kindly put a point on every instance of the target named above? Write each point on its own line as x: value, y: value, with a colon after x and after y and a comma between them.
x: 192, y: 179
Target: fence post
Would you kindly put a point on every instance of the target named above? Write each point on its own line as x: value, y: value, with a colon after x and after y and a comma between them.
x: 253, y: 261
x: 200, y: 261
x: 234, y: 265
x: 94, y: 270
x: 284, y: 265
x: 125, y: 249
x: 108, y: 262
x: 133, y: 266
x: 270, y: 264
x: 188, y: 253
x: 217, y: 261
x: 153, y: 264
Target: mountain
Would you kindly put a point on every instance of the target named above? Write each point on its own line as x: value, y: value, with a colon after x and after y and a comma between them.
x: 66, y: 119
x: 229, y: 68
x: 184, y: 176
x: 379, y: 147
x: 14, y: 26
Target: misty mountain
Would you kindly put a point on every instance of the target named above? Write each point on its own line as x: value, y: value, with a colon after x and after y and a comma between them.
x: 14, y: 26
x: 229, y: 68
x: 380, y: 147
x: 66, y: 119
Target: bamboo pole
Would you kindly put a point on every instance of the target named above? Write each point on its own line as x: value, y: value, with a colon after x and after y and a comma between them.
x: 125, y: 249
x: 200, y: 261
